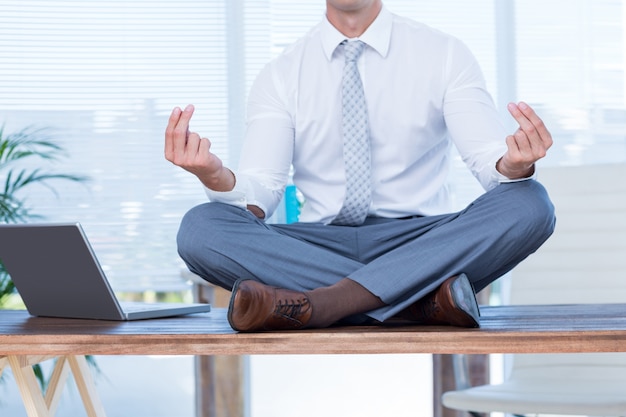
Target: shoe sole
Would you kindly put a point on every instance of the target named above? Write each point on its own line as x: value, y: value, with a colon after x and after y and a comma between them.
x: 467, y: 302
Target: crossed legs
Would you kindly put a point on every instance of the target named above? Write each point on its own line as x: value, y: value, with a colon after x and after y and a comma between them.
x: 392, y: 263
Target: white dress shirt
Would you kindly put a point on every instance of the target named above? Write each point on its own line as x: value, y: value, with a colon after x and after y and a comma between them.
x: 425, y: 92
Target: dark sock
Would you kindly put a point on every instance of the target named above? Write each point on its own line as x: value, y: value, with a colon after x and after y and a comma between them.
x: 343, y: 299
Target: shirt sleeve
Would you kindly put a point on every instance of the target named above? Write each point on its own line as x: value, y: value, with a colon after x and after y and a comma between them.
x: 473, y: 122
x: 267, y: 149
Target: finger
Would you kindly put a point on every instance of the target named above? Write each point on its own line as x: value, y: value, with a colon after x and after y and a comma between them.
x: 522, y: 153
x: 513, y: 148
x: 169, y: 133
x: 204, y: 149
x: 185, y: 117
x: 516, y: 162
x: 528, y: 138
x: 531, y: 124
x: 181, y: 131
x: 540, y: 127
x: 193, y: 143
x: 524, y: 123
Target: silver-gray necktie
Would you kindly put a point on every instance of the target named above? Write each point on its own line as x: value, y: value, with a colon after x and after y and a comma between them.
x: 356, y: 137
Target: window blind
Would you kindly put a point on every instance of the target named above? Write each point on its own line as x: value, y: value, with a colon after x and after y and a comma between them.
x: 104, y: 75
x: 570, y: 65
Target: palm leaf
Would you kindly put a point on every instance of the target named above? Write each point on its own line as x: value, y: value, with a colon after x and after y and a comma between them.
x: 29, y: 144
x: 25, y: 178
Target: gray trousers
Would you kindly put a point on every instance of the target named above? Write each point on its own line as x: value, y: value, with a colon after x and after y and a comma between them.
x: 399, y: 260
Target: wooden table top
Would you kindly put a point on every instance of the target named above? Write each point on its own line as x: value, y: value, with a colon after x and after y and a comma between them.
x: 504, y: 329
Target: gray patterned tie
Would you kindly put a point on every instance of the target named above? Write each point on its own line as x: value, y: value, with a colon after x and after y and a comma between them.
x: 356, y: 138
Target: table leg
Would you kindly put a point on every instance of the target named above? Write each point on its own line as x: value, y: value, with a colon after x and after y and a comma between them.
x: 56, y: 383
x: 35, y: 403
x: 29, y: 386
x: 86, y: 386
x: 3, y: 363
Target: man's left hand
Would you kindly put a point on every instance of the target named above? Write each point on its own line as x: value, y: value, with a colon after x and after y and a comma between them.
x: 527, y: 145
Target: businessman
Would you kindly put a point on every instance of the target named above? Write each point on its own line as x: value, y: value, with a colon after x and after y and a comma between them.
x: 364, y: 109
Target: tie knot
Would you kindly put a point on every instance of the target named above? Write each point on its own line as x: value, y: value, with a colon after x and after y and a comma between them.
x: 353, y: 50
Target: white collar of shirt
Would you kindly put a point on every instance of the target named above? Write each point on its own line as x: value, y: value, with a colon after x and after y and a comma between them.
x: 377, y: 36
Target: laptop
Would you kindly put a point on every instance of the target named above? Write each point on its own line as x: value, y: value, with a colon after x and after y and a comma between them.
x: 57, y: 274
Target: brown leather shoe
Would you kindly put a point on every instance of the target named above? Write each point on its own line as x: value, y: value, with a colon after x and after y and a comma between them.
x: 453, y: 303
x: 259, y: 307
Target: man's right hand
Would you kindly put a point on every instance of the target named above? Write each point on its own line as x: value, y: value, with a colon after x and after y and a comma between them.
x: 193, y: 153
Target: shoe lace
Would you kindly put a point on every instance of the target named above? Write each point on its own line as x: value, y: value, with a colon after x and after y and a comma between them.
x: 291, y: 309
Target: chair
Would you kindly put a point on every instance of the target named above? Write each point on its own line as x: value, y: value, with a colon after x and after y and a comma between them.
x: 583, y: 262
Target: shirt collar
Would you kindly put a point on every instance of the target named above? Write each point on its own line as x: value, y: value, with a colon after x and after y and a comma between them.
x: 377, y: 36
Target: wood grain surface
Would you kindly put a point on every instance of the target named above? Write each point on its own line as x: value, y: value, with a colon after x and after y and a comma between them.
x: 504, y: 329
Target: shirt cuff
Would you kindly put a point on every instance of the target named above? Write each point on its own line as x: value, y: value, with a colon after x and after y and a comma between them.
x: 504, y: 179
x: 235, y: 197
